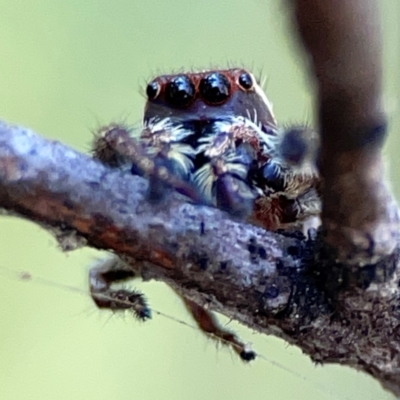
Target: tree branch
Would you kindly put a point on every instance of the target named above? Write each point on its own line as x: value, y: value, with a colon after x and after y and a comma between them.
x: 273, y: 283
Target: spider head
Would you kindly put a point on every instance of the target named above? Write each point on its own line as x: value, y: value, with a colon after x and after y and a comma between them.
x: 206, y: 96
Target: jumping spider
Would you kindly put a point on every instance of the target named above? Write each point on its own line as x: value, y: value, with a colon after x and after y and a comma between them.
x: 212, y: 136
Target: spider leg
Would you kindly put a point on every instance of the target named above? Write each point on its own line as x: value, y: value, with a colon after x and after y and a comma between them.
x: 268, y: 177
x: 101, y: 278
x: 209, y: 324
x: 290, y: 181
x: 103, y: 148
x: 165, y: 165
x: 232, y: 193
x: 235, y: 149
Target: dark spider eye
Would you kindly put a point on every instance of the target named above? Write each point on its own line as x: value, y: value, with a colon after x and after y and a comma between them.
x: 246, y: 81
x: 215, y: 88
x: 274, y: 176
x: 153, y: 90
x: 180, y: 91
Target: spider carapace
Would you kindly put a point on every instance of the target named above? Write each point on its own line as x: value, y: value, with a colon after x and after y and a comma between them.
x: 212, y: 135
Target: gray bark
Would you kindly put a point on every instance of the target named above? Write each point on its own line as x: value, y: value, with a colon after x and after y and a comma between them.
x: 282, y: 284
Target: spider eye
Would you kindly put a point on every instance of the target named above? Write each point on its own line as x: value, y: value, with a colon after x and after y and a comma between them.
x: 153, y: 90
x: 180, y: 91
x: 215, y: 88
x: 246, y: 81
x: 274, y: 176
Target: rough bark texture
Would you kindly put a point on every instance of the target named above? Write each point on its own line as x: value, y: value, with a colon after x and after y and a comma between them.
x: 286, y: 285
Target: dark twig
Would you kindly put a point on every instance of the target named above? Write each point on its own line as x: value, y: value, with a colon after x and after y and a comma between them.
x: 344, y: 41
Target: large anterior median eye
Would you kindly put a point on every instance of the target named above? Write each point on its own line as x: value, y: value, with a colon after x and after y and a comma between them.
x: 180, y: 91
x: 215, y: 88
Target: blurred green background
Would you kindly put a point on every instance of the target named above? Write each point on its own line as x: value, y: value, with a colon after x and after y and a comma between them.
x: 65, y: 68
